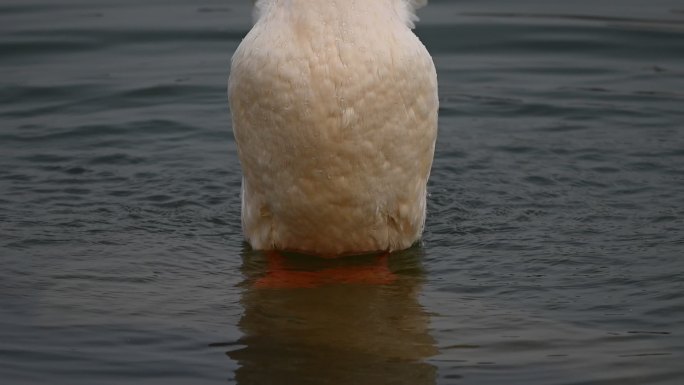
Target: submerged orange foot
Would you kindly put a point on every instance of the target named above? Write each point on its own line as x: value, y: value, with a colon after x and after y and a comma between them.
x: 279, y: 276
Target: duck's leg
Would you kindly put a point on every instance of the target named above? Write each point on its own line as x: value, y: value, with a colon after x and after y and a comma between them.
x: 279, y: 276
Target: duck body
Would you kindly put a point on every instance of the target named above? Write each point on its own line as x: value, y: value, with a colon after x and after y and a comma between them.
x: 334, y: 107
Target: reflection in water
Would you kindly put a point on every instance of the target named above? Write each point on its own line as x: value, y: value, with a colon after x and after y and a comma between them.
x: 324, y: 326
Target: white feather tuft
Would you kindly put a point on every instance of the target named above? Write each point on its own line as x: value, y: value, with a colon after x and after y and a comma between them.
x: 260, y: 8
x: 407, y: 10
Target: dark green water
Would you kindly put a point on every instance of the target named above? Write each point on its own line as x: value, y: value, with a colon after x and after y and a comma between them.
x: 554, y: 249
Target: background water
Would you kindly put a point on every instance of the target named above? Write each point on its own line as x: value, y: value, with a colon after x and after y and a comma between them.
x: 553, y: 249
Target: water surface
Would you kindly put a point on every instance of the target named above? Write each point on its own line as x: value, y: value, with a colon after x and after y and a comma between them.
x: 553, y: 249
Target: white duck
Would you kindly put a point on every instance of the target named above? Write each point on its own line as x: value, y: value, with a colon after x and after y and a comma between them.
x: 334, y: 107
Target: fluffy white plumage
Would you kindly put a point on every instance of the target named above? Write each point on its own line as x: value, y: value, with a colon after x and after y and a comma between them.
x: 405, y: 8
x: 334, y: 106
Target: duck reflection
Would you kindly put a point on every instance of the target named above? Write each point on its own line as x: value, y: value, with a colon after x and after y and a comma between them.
x: 353, y: 320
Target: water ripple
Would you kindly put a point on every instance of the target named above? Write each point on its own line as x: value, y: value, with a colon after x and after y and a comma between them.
x: 552, y: 250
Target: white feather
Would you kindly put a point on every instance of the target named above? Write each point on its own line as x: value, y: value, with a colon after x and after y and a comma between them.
x: 334, y: 107
x: 260, y: 8
x: 406, y: 9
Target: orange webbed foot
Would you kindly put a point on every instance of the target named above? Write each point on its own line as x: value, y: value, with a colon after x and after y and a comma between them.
x: 281, y: 276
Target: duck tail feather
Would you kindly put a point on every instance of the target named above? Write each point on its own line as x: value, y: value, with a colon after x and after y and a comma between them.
x: 407, y: 9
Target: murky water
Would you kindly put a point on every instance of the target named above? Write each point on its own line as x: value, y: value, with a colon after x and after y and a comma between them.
x: 554, y: 250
